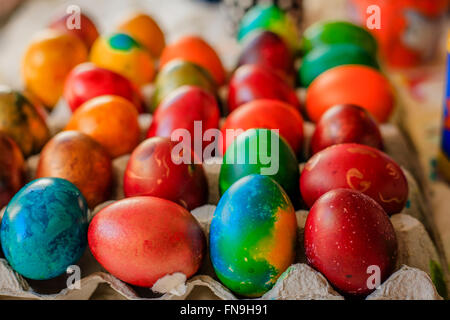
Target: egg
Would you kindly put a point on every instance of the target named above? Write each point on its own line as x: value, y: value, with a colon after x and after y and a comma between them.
x: 44, y: 228
x: 351, y: 241
x: 158, y: 168
x: 261, y: 151
x: 121, y: 53
x: 253, y: 82
x: 86, y: 30
x: 178, y: 73
x: 20, y: 119
x: 112, y: 121
x: 346, y: 123
x: 12, y: 169
x: 268, y: 114
x: 86, y: 81
x: 358, y: 167
x: 350, y: 84
x: 78, y: 158
x: 48, y: 60
x: 196, y: 50
x: 140, y: 240
x: 252, y: 235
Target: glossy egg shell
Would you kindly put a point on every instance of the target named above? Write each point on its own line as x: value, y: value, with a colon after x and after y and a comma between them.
x: 44, y: 228
x: 87, y: 81
x: 78, y: 158
x: 357, y: 167
x: 347, y: 232
x: 87, y: 31
x: 140, y: 240
x: 110, y: 120
x: 47, y: 62
x: 152, y: 171
x: 253, y: 235
x: 22, y: 122
x: 12, y: 169
x: 350, y: 84
x: 198, y: 51
x: 346, y: 123
x: 255, y: 152
x: 253, y: 82
x: 268, y: 114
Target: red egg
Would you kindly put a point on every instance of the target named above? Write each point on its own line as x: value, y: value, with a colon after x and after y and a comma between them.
x: 159, y: 168
x: 346, y: 123
x: 252, y: 82
x: 351, y: 241
x: 181, y: 109
x: 267, y: 114
x: 86, y: 81
x: 86, y: 30
x: 140, y: 240
x: 358, y: 167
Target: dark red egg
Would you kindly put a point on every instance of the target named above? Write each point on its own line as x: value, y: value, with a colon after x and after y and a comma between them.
x: 161, y: 168
x: 351, y: 241
x: 252, y: 82
x: 266, y: 114
x: 358, y: 167
x: 85, y: 30
x: 140, y: 240
x: 346, y: 123
x: 87, y: 81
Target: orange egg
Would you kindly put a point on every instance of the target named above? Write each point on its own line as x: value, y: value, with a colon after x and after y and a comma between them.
x: 48, y: 60
x: 146, y: 31
x: 195, y: 49
x: 350, y: 84
x: 110, y: 120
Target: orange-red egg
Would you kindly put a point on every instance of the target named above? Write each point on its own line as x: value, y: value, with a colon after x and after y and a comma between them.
x: 81, y: 26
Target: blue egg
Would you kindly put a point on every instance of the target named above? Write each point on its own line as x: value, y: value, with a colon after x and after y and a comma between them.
x: 44, y: 228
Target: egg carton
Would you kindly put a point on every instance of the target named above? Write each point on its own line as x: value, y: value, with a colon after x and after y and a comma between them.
x: 411, y: 280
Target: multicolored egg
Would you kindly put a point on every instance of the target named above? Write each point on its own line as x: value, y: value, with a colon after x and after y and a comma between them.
x: 78, y: 158
x: 44, y: 228
x: 112, y: 121
x: 86, y: 30
x: 159, y: 168
x: 140, y: 240
x: 252, y: 235
x: 48, y: 60
x: 22, y: 122
x: 261, y: 151
x: 121, y: 53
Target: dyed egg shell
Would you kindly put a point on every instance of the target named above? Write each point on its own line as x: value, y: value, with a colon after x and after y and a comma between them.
x: 346, y: 123
x: 270, y: 17
x: 253, y: 82
x: 346, y: 232
x: 140, y: 240
x: 338, y: 32
x: 156, y: 169
x: 86, y: 81
x: 261, y: 151
x: 44, y: 228
x: 180, y: 110
x: 87, y: 32
x: 21, y: 121
x: 47, y: 62
x: 110, y: 120
x: 325, y: 57
x: 178, y: 73
x: 252, y: 235
x: 269, y: 50
x: 123, y: 54
x: 196, y: 50
x: 12, y: 169
x: 350, y: 84
x: 76, y: 157
x: 268, y: 114
x: 358, y: 167
x: 146, y: 31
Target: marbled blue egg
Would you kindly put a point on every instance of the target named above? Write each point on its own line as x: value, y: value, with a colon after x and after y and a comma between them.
x: 44, y: 228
